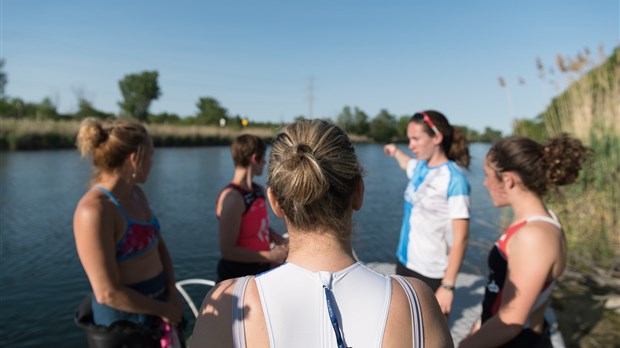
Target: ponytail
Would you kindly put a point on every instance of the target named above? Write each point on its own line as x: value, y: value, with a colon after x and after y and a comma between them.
x: 459, y: 150
x: 540, y: 167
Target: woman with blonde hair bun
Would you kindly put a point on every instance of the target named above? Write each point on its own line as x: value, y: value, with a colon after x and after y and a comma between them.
x: 119, y: 242
x: 322, y: 296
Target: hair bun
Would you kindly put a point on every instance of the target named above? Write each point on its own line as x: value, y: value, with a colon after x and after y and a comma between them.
x: 564, y: 156
x: 304, y: 149
x: 90, y: 135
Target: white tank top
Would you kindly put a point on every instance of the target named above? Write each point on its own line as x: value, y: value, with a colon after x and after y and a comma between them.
x: 294, y: 302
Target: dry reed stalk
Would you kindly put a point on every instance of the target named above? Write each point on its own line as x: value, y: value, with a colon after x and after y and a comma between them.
x: 29, y: 126
x: 207, y: 131
x: 590, y: 109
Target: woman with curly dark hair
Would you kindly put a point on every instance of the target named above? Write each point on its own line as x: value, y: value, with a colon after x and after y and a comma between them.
x: 531, y: 254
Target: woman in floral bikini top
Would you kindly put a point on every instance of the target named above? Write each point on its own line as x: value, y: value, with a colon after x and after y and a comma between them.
x: 117, y: 237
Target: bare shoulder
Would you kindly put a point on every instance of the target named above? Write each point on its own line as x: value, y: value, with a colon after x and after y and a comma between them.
x: 231, y: 201
x: 537, y: 234
x: 92, y: 206
x: 222, y: 292
x: 214, y: 323
x: 213, y: 326
x: 537, y: 247
x: 230, y: 194
x: 435, y: 328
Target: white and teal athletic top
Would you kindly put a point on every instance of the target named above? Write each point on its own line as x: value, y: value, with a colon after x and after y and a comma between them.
x: 434, y: 197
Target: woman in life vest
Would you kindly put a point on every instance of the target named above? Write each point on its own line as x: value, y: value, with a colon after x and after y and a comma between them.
x: 245, y: 235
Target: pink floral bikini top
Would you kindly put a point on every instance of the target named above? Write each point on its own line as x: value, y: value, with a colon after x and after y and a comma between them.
x: 139, y: 237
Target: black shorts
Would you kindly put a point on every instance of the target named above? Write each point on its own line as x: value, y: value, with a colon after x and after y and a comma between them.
x: 401, y: 270
x: 227, y: 269
x: 529, y: 338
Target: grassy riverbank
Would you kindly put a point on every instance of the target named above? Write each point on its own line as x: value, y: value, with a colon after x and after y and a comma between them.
x: 27, y: 134
x: 48, y: 134
x: 589, y: 109
x: 590, y: 209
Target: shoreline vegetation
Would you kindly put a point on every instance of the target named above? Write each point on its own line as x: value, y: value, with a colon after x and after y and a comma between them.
x: 587, y: 299
x: 30, y: 134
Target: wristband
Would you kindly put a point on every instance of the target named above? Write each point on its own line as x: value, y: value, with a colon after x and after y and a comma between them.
x: 447, y: 286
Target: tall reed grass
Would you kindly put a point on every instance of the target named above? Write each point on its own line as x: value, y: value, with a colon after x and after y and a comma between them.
x: 590, y: 209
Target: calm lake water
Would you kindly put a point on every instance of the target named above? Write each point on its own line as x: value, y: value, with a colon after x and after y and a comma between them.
x: 42, y: 281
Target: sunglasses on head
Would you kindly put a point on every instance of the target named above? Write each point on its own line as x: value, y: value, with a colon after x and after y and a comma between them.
x: 422, y: 116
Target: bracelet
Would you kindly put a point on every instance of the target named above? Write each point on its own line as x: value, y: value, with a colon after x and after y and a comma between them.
x: 447, y: 286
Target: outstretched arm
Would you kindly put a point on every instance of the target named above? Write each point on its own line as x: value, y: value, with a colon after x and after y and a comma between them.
x: 393, y: 151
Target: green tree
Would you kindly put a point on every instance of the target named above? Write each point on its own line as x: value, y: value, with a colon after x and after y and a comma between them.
x: 401, y: 127
x: 345, y: 119
x: 490, y: 135
x: 138, y: 91
x: 165, y: 118
x: 360, y: 120
x: 383, y: 127
x: 15, y: 107
x: 534, y: 129
x: 46, y: 109
x: 7, y: 108
x: 86, y: 109
x: 472, y: 135
x: 3, y: 80
x: 210, y: 111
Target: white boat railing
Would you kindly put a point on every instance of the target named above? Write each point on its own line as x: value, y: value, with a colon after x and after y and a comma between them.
x: 195, y: 281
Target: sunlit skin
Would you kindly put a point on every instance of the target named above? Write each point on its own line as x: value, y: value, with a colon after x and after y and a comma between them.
x: 494, y: 185
x: 424, y: 146
x: 144, y: 160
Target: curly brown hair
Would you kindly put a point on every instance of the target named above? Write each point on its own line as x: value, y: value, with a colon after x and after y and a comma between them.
x: 539, y: 166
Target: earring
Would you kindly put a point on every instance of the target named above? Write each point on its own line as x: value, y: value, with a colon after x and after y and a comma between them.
x: 133, y: 175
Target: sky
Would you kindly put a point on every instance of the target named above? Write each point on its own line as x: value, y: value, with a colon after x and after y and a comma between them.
x: 275, y: 60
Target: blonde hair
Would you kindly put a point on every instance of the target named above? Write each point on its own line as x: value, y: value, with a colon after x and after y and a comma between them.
x: 111, y: 143
x: 313, y: 172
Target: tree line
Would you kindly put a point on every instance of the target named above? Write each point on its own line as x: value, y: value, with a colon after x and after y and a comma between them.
x: 139, y: 90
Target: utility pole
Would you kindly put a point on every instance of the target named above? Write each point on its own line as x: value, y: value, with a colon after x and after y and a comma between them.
x: 310, y: 96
